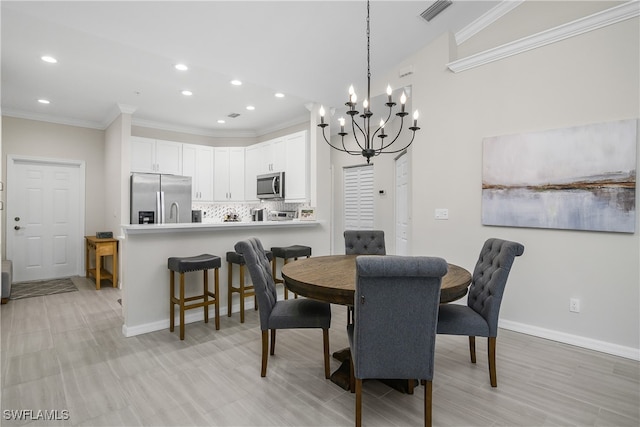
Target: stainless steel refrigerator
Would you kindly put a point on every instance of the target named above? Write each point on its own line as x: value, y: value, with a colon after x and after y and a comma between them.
x: 159, y: 199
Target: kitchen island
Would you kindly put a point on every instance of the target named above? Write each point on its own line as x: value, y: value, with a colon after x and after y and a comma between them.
x: 144, y: 250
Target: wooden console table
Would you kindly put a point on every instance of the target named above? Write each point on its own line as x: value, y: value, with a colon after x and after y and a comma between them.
x: 102, y: 247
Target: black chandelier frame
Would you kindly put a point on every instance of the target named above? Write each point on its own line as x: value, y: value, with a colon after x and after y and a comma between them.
x: 367, y: 148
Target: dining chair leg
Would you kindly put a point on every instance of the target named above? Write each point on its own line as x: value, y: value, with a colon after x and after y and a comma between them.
x: 265, y: 352
x: 358, y: 402
x: 491, y: 342
x: 352, y: 379
x: 410, y: 386
x: 428, y: 397
x: 325, y: 341
x: 273, y: 342
x: 472, y: 349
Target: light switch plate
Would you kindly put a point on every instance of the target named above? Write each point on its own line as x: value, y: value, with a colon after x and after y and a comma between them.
x: 442, y: 213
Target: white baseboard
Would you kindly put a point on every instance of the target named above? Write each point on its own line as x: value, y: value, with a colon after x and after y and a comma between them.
x: 579, y: 341
x: 196, y: 316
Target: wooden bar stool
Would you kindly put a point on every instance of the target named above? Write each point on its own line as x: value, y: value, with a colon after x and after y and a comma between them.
x: 286, y: 253
x: 204, y: 262
x: 244, y: 291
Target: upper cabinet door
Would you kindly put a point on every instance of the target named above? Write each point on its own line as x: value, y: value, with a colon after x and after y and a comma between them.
x: 236, y: 174
x: 156, y: 156
x: 278, y: 155
x: 296, y: 176
x: 252, y: 170
x: 169, y: 157
x: 204, y: 173
x: 229, y: 176
x: 143, y: 154
x: 197, y: 162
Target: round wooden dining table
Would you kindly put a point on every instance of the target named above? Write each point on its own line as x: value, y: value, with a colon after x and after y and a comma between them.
x: 333, y: 279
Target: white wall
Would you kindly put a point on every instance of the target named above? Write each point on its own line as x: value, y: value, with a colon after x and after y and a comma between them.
x: 384, y: 179
x: 590, y: 78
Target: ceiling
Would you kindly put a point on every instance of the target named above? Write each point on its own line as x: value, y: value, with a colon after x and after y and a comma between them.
x: 117, y: 53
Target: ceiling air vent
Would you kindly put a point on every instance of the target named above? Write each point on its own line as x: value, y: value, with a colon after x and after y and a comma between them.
x: 435, y: 9
x: 233, y: 115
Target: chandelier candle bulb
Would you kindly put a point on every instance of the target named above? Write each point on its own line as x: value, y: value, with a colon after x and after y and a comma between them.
x: 389, y: 92
x: 321, y: 114
x: 382, y: 127
x: 341, y: 120
x: 403, y: 100
x: 415, y: 118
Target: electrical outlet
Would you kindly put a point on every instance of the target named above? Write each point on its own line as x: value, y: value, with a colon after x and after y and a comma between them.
x: 441, y: 214
x: 574, y: 305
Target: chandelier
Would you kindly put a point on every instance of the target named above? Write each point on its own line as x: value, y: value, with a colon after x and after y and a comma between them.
x: 366, y: 140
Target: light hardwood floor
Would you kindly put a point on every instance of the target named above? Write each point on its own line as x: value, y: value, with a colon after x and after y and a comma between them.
x: 67, y: 352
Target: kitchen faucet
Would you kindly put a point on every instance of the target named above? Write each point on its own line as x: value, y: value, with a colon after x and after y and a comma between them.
x: 177, y: 211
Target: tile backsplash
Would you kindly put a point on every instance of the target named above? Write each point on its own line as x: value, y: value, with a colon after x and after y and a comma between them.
x: 215, y: 212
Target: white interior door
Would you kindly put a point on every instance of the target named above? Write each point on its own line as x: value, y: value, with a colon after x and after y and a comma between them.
x: 403, y: 205
x: 45, y: 217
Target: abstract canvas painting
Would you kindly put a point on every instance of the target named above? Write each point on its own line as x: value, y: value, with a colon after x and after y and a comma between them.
x: 578, y: 178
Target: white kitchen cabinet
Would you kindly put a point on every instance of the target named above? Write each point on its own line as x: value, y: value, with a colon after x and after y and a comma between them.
x: 251, y: 162
x: 271, y: 157
x: 197, y: 162
x: 296, y: 176
x: 229, y: 176
x: 262, y: 158
x: 156, y: 156
x: 288, y: 154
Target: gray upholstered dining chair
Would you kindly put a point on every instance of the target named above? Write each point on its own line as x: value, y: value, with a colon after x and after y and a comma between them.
x: 479, y: 318
x: 364, y: 242
x: 287, y: 314
x: 394, y: 331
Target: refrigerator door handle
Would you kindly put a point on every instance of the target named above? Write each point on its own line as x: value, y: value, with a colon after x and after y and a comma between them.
x: 160, y: 206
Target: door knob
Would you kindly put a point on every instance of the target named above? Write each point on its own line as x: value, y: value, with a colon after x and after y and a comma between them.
x: 16, y: 218
x: 17, y: 227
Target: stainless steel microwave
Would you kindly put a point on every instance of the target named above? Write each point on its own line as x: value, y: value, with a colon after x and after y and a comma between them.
x: 270, y: 186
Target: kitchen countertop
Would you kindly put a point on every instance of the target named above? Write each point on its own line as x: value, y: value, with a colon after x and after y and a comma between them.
x: 208, y: 226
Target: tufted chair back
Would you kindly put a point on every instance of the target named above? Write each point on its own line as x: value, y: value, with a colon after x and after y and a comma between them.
x: 396, y: 309
x: 364, y: 242
x: 490, y: 277
x: 395, y: 314
x: 260, y: 270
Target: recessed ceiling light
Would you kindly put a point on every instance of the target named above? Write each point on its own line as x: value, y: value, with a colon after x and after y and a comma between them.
x: 279, y: 95
x: 236, y: 82
x: 181, y: 67
x: 44, y: 101
x: 49, y: 59
x: 186, y: 93
x: 221, y: 121
x: 250, y: 107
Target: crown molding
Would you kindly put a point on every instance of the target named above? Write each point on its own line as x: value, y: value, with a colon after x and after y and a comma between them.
x: 486, y: 20
x: 593, y: 22
x: 192, y: 130
x: 151, y: 124
x: 53, y: 119
x: 293, y: 122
